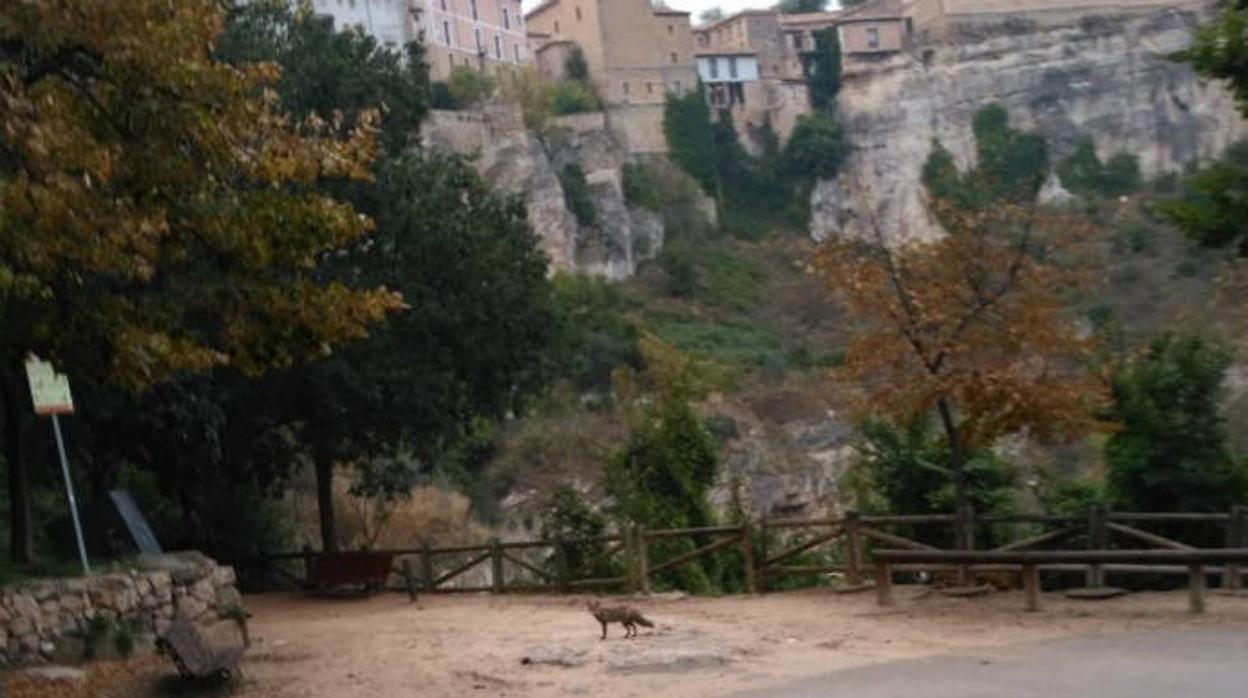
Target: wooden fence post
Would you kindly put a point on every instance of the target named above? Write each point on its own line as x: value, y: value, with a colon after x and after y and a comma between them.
x: 1236, y: 537
x: 1098, y: 539
x: 1031, y: 587
x: 964, y: 538
x: 497, y: 583
x: 562, y: 573
x: 643, y: 560
x: 762, y: 579
x: 426, y: 566
x: 853, y: 549
x: 1196, y: 588
x: 409, y: 578
x: 307, y: 564
x: 883, y: 583
x: 747, y: 555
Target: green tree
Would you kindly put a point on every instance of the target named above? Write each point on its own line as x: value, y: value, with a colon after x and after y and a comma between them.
x: 1213, y: 205
x: 816, y: 149
x: 823, y: 70
x: 160, y: 216
x: 661, y: 477
x: 1011, y: 165
x: 1220, y: 49
x: 1082, y: 172
x: 575, y: 67
x: 789, y: 7
x: 690, y: 137
x: 1171, y: 452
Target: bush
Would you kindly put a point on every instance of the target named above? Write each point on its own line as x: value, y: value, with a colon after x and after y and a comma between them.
x: 682, y: 277
x: 1171, y: 453
x: 573, y: 98
x: 816, y: 149
x: 575, y: 67
x: 1083, y: 173
x: 576, y: 194
x: 594, y: 334
x: 640, y: 189
x: 469, y: 86
x: 567, y: 517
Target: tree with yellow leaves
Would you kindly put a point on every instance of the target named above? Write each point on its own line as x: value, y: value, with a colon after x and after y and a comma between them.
x: 970, y: 328
x: 158, y: 213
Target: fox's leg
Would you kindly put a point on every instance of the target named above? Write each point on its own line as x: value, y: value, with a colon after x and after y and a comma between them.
x: 604, y: 629
x: 630, y: 629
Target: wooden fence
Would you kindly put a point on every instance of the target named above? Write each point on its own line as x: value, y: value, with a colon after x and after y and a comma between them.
x: 772, y: 549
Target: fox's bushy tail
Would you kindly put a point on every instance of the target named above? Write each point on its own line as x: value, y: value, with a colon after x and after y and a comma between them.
x: 643, y: 621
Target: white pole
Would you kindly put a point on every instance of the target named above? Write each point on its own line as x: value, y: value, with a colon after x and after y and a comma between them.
x: 69, y: 492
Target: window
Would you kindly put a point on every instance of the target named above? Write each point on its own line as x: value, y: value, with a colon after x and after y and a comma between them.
x: 498, y: 47
x: 446, y: 33
x: 516, y: 50
x: 873, y: 37
x: 673, y: 56
x: 556, y: 26
x: 714, y: 66
x: 736, y: 93
x: 626, y: 88
x: 444, y: 5
x: 578, y: 13
x: 649, y: 88
x: 670, y: 29
x: 480, y: 49
x: 680, y: 92
x: 732, y: 66
x: 474, y: 9
x: 506, y: 19
x: 797, y: 41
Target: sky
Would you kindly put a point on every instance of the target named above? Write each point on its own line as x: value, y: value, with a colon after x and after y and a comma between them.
x: 696, y: 7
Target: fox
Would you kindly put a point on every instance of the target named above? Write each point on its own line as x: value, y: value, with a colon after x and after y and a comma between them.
x: 630, y: 618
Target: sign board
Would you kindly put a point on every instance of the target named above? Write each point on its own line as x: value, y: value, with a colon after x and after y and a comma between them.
x: 135, y: 523
x: 49, y: 390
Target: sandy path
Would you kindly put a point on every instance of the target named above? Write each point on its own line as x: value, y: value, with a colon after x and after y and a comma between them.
x: 474, y: 645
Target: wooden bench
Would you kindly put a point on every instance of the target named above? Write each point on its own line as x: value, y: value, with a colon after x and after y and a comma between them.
x: 194, y: 656
x: 366, y: 570
x: 1196, y: 562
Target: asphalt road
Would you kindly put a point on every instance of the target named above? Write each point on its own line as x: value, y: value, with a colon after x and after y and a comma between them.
x: 1185, y: 664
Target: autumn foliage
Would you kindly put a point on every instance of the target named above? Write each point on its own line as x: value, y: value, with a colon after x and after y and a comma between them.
x: 131, y: 162
x: 970, y: 327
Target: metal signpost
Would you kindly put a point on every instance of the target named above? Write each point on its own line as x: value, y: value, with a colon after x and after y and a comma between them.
x: 49, y: 391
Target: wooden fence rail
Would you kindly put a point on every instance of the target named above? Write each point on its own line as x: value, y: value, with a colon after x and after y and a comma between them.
x: 771, y: 549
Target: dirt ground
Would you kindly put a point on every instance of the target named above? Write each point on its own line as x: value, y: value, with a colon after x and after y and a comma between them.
x: 477, y: 645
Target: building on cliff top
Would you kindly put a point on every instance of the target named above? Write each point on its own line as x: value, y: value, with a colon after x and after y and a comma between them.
x: 636, y: 53
x: 486, y: 35
x: 753, y: 64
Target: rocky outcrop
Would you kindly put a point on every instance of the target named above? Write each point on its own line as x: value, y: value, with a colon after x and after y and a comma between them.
x: 59, y: 619
x: 518, y: 161
x: 1101, y: 76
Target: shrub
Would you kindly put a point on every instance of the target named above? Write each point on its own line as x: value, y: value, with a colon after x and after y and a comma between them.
x: 1082, y: 172
x: 575, y: 67
x: 1171, y: 453
x: 816, y: 149
x: 594, y: 335
x: 568, y: 518
x: 576, y: 194
x: 534, y: 94
x: 639, y: 187
x: 573, y: 98
x: 469, y: 86
x: 440, y: 96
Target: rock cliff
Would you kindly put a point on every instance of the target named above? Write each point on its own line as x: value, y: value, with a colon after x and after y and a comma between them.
x: 1101, y: 76
x: 518, y: 161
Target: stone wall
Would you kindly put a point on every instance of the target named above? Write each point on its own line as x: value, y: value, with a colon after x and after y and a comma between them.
x: 51, y: 619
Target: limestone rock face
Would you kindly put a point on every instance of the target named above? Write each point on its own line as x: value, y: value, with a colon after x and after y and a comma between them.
x: 1105, y: 77
x: 517, y: 161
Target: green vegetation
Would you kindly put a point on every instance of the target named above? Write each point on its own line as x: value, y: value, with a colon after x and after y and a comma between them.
x: 1082, y: 172
x: 566, y: 517
x: 573, y: 98
x: 595, y: 335
x: 640, y: 188
x: 1171, y: 454
x: 576, y: 194
x: 823, y: 66
x: 1011, y: 165
x: 469, y: 87
x: 1212, y: 205
x: 817, y: 148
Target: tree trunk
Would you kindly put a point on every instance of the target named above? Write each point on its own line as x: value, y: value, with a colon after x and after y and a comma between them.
x: 956, y: 456
x: 325, y: 503
x: 14, y: 416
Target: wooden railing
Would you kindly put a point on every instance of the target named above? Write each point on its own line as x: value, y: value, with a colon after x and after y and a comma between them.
x: 771, y: 549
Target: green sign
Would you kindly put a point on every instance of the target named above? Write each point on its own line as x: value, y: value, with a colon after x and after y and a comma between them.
x: 49, y: 390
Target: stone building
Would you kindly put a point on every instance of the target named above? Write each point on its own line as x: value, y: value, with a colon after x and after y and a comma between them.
x: 486, y: 35
x: 636, y: 54
x: 754, y: 64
